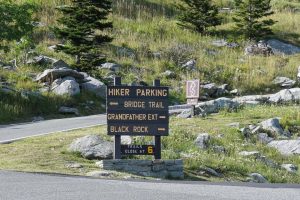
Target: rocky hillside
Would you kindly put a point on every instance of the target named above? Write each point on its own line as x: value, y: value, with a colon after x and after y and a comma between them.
x: 147, y: 45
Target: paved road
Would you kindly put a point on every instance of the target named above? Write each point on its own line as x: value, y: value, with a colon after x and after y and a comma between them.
x: 22, y: 186
x: 14, y: 132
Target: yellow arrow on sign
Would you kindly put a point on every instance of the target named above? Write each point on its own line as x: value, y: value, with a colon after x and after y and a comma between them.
x: 161, y: 129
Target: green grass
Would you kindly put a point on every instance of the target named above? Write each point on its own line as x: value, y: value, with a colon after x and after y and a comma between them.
x: 49, y: 153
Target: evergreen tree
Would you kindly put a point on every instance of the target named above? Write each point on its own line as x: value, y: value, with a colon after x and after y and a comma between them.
x: 15, y: 22
x: 83, y: 26
x: 198, y: 15
x: 249, y: 18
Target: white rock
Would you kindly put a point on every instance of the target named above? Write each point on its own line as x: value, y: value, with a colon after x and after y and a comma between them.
x: 273, y: 126
x: 284, y: 82
x: 65, y: 86
x: 298, y: 75
x: 286, y: 147
x: 290, y: 168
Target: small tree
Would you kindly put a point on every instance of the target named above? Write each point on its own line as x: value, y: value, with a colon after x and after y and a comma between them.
x: 249, y: 18
x: 15, y: 22
x: 198, y: 15
x: 82, y: 26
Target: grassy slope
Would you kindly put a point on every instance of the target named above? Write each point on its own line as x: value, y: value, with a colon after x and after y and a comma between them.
x: 49, y: 153
x: 150, y: 26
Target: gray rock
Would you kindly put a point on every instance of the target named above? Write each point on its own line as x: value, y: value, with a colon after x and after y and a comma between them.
x: 60, y: 64
x: 267, y: 161
x: 212, y: 172
x: 202, y: 140
x: 66, y: 86
x: 249, y: 154
x: 261, y: 48
x: 74, y: 165
x: 68, y: 110
x: 99, y: 174
x: 284, y: 82
x: 290, y: 168
x: 95, y: 86
x: 257, y: 178
x: 37, y: 119
x: 286, y: 147
x: 209, y: 89
x: 273, y: 126
x: 246, y: 132
x: 252, y: 99
x: 224, y: 43
x: 219, y: 43
x: 219, y: 149
x: 221, y: 90
x: 264, y: 138
x: 185, y: 114
x: 169, y: 74
x: 49, y: 75
x: 280, y: 47
x: 111, y: 66
x: 125, y: 52
x: 215, y: 106
x: 235, y: 92
x: 92, y: 147
x: 41, y: 60
x: 190, y: 65
x: 7, y: 89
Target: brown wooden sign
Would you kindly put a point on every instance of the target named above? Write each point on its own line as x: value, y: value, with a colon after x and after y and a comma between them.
x: 137, y: 110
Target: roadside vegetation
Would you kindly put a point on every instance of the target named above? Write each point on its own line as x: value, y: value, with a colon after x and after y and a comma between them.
x: 147, y: 42
x: 50, y: 153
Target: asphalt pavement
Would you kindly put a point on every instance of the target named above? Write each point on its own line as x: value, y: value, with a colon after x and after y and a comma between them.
x: 23, y: 186
x: 13, y: 132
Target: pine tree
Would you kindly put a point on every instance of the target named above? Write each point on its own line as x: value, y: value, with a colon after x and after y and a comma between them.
x: 198, y: 15
x: 249, y: 18
x: 83, y: 26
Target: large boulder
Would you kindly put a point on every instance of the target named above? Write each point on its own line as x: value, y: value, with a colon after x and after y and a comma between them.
x: 285, y: 96
x: 66, y: 86
x: 252, y: 99
x: 273, y: 126
x: 95, y: 86
x: 215, y: 106
x: 49, y: 75
x: 280, y: 47
x: 286, y: 147
x: 284, y: 82
x: 92, y: 147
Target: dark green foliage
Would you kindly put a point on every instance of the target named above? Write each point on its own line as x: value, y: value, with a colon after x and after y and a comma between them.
x: 82, y: 25
x: 198, y: 15
x: 249, y: 18
x: 15, y: 21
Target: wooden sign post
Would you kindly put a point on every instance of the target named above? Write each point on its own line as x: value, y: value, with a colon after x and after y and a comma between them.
x: 137, y: 111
